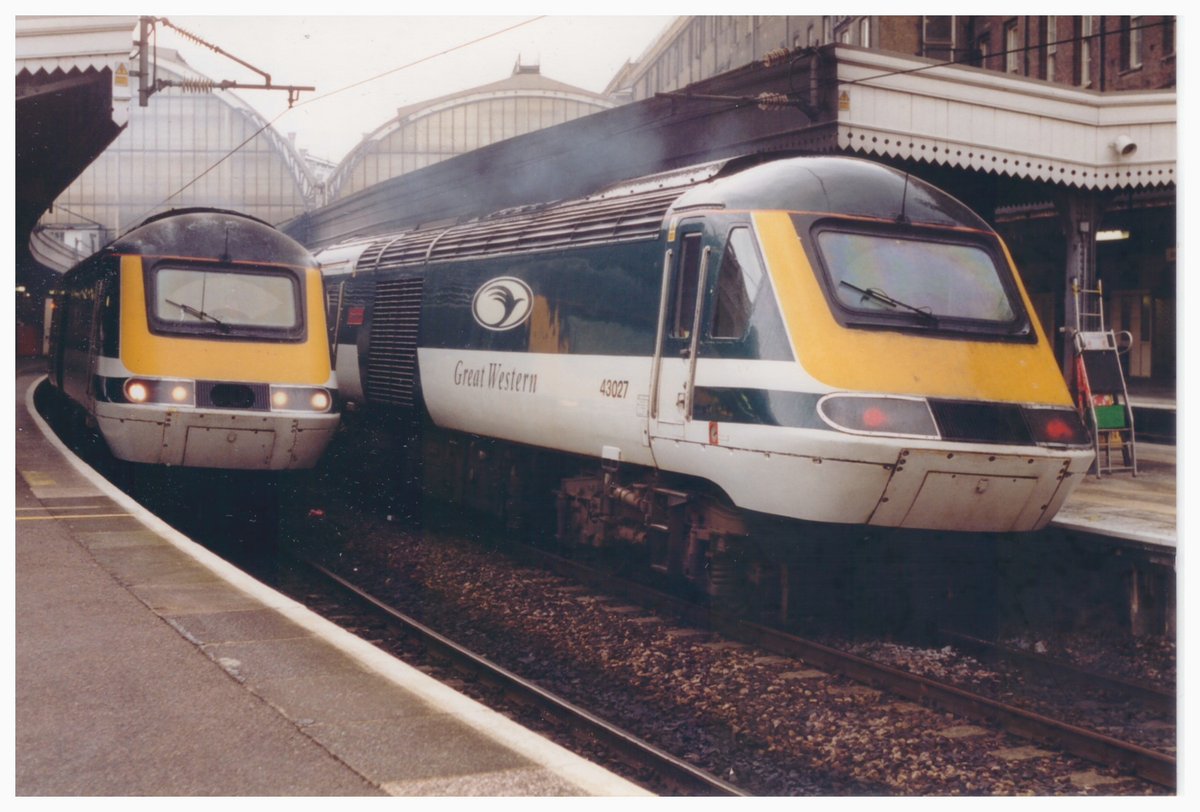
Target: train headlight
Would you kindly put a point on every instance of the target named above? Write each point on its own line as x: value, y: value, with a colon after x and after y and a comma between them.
x: 300, y: 399
x: 895, y: 416
x: 160, y: 391
x: 137, y: 391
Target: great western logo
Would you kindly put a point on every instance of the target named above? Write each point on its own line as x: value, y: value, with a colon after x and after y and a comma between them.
x: 502, y: 303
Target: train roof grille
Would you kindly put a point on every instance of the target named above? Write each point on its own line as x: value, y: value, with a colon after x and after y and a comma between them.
x: 594, y: 221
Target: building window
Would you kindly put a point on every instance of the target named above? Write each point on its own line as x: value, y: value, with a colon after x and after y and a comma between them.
x: 1011, y: 48
x: 812, y: 36
x: 980, y: 52
x: 1085, y: 29
x: 864, y: 32
x: 1049, y: 47
x: 937, y: 37
x: 1131, y: 43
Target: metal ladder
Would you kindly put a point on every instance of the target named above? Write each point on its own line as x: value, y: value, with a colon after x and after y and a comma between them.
x: 1100, y: 383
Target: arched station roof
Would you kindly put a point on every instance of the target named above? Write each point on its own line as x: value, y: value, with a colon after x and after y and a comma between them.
x: 425, y: 133
x: 182, y: 149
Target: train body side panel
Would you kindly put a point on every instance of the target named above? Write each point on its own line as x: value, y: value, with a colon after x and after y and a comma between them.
x: 79, y: 325
x: 580, y: 404
x: 572, y: 376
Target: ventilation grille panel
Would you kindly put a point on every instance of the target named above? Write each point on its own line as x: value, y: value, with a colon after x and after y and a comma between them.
x: 392, y: 360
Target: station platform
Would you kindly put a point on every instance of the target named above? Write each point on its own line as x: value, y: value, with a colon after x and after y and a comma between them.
x: 146, y: 666
x: 1141, y: 510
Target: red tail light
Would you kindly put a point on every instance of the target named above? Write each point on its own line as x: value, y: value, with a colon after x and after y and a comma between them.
x: 878, y: 414
x: 1057, y: 427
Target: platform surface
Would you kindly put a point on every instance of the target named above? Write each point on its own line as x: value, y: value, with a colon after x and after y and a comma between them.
x: 1142, y: 509
x: 147, y: 666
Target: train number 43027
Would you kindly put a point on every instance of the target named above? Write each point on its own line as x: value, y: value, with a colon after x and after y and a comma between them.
x: 614, y: 389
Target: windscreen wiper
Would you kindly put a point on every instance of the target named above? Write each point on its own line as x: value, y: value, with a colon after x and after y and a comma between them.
x: 880, y: 296
x: 200, y: 314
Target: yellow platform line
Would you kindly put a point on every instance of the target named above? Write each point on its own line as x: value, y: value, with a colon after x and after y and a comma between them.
x: 72, y: 516
x: 63, y: 507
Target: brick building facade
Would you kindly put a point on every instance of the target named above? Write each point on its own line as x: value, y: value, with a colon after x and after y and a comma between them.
x: 1103, y: 53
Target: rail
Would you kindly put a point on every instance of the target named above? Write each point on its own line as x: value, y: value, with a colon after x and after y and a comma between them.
x: 676, y: 772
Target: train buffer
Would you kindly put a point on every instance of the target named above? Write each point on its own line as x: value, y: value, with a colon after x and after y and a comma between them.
x: 1101, y: 392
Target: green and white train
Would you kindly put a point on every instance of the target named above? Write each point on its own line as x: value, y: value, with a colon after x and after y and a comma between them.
x: 680, y: 357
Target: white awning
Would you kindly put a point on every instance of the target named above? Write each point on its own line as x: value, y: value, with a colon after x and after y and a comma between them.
x: 918, y: 109
x: 73, y: 43
x: 80, y: 44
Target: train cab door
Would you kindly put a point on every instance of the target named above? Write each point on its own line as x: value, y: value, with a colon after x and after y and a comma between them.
x: 58, y: 315
x: 77, y: 358
x: 684, y: 271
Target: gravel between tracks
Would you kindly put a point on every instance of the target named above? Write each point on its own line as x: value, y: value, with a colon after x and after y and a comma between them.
x: 773, y: 725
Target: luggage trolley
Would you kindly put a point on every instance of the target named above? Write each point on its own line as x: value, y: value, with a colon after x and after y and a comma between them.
x: 1103, y: 397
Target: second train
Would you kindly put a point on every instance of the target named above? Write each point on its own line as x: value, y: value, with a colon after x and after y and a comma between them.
x: 678, y: 361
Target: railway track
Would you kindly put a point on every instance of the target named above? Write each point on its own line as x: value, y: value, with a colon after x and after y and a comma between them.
x: 642, y: 757
x: 1152, y: 765
x: 1147, y: 763
x: 1118, y: 757
x: 1152, y: 696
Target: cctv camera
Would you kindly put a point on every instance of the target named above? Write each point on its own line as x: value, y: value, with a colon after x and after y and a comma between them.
x: 1124, y: 146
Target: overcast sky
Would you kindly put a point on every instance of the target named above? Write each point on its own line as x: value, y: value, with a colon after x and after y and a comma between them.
x: 366, y: 67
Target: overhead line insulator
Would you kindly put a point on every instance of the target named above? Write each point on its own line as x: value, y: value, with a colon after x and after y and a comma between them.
x: 774, y: 101
x: 195, y: 85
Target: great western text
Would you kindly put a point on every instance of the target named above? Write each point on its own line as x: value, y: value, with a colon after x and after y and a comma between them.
x: 495, y: 376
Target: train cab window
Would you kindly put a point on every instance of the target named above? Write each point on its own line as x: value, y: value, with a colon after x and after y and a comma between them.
x: 686, y: 287
x: 948, y: 285
x: 737, y: 286
x: 248, y: 303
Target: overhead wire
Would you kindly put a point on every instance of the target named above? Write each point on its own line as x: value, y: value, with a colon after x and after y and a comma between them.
x: 271, y: 123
